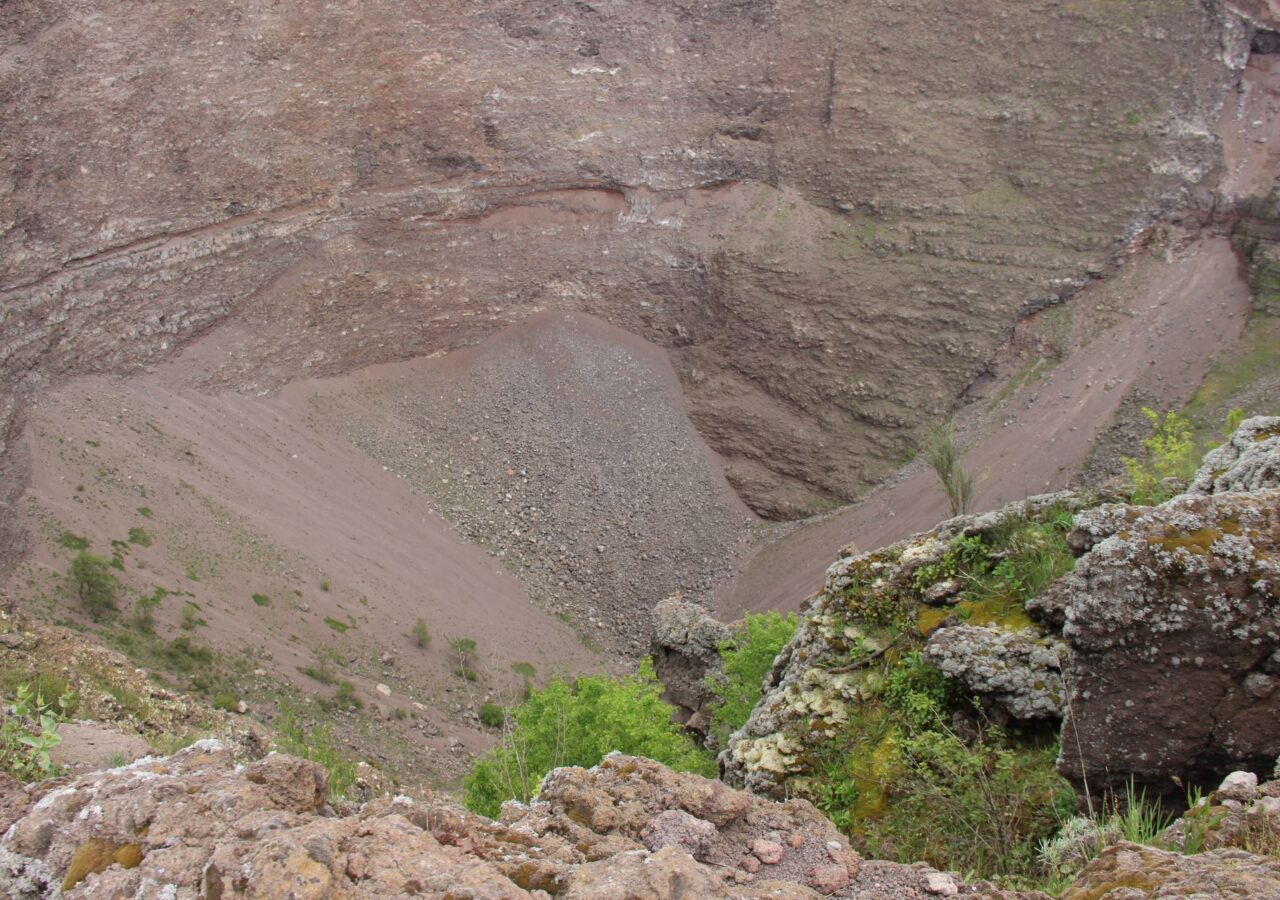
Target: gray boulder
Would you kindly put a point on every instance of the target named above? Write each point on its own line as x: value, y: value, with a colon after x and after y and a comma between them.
x: 685, y: 650
x: 1249, y: 461
x: 1173, y: 624
x: 1018, y: 671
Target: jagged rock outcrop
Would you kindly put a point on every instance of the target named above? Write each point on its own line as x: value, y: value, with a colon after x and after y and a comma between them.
x: 196, y: 825
x: 871, y: 603
x: 1248, y: 461
x: 1020, y: 671
x: 685, y: 653
x: 1173, y: 625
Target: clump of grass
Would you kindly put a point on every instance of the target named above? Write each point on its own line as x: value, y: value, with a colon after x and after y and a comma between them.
x: 316, y: 743
x: 191, y: 619
x: 73, y: 541
x: 262, y: 600
x: 944, y: 457
x: 325, y: 585
x: 336, y: 624
x: 139, y: 535
x: 145, y: 512
x: 225, y: 701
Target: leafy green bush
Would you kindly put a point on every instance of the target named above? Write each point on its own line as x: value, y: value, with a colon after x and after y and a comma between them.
x: 28, y: 734
x: 747, y: 658
x: 576, y: 724
x: 225, y: 701
x: 261, y: 600
x: 139, y: 535
x: 1170, y: 454
x: 95, y: 585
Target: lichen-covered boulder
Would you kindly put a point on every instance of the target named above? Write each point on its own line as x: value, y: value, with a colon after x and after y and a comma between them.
x: 1019, y: 671
x: 1248, y: 461
x: 1132, y: 871
x: 685, y: 650
x: 1173, y: 625
x: 873, y: 605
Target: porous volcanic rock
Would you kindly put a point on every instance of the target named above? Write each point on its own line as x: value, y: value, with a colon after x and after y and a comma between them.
x: 685, y: 653
x: 1132, y: 870
x: 1173, y: 625
x: 1248, y: 461
x: 196, y: 825
x: 1020, y: 671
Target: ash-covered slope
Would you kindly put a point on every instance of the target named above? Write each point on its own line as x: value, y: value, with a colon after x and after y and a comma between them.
x: 830, y: 213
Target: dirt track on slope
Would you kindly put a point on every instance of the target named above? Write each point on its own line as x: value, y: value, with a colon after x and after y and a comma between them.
x: 1159, y: 322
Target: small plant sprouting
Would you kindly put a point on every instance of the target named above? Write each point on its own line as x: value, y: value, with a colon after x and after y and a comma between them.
x: 325, y: 585
x: 464, y: 651
x: 262, y: 599
x: 421, y: 634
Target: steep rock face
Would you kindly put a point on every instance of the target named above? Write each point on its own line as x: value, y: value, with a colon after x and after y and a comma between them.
x: 831, y: 244
x: 195, y: 825
x: 1173, y: 625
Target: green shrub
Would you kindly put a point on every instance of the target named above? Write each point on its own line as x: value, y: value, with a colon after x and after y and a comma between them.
x: 1170, y: 454
x: 492, y: 715
x: 421, y: 634
x: 747, y: 658
x: 576, y: 724
x: 325, y: 585
x: 138, y: 535
x: 95, y: 585
x: 261, y: 599
x: 225, y: 701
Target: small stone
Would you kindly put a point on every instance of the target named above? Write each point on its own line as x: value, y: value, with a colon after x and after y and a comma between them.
x: 829, y: 878
x: 11, y: 639
x: 940, y: 883
x: 1239, y: 786
x: 768, y: 852
x: 242, y: 707
x: 750, y: 864
x: 382, y: 689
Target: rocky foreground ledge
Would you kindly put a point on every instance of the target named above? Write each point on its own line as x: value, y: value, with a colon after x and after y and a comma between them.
x: 197, y: 825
